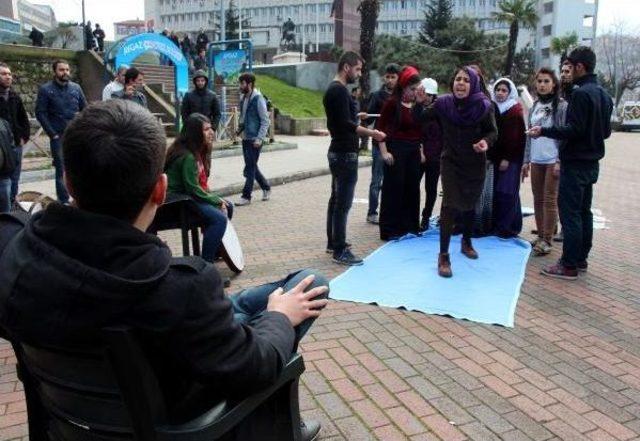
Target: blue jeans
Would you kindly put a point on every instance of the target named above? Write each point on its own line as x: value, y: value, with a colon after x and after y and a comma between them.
x: 56, y: 154
x: 377, y: 173
x: 249, y: 304
x: 574, y: 203
x: 5, y: 195
x: 344, y: 175
x: 15, y: 176
x: 214, y: 229
x: 251, y: 170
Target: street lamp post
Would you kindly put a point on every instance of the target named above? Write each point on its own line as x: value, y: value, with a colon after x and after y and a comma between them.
x: 84, y: 37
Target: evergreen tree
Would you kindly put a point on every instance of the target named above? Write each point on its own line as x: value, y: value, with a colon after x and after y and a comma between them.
x: 437, y: 16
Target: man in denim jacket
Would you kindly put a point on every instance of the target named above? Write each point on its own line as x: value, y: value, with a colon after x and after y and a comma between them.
x: 254, y: 124
x: 59, y: 100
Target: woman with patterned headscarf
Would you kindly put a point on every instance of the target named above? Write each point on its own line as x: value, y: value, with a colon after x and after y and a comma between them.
x: 402, y: 155
x: 468, y: 131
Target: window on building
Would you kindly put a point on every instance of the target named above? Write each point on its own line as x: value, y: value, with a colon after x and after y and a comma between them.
x: 483, y: 3
x: 546, y: 30
x: 548, y: 8
x: 492, y: 3
x: 472, y: 3
x: 462, y: 3
x: 587, y: 21
x: 545, y: 53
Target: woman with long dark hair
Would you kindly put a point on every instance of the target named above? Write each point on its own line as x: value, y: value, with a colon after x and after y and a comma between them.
x: 188, y: 166
x: 468, y: 130
x: 402, y: 155
x: 541, y: 157
x: 507, y: 157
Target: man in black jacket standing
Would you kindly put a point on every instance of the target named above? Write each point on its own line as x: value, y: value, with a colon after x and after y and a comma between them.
x: 376, y: 102
x: 588, y: 125
x: 74, y: 270
x: 201, y: 100
x: 12, y: 110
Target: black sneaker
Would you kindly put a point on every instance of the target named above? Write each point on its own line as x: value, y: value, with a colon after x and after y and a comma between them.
x: 347, y: 258
x: 329, y: 249
x: 582, y: 266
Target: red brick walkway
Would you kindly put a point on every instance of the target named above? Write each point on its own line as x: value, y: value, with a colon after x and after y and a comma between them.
x: 569, y: 370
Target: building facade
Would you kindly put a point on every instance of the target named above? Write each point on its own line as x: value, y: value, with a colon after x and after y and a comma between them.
x: 29, y: 14
x: 324, y: 23
x: 123, y: 29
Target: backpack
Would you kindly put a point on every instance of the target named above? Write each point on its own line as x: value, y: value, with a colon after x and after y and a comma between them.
x: 8, y: 155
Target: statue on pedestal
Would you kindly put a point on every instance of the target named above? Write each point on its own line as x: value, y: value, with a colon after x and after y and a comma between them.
x: 288, y: 39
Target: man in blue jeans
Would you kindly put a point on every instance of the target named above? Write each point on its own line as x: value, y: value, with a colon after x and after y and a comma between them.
x: 588, y: 124
x: 104, y: 270
x: 59, y: 100
x: 378, y: 99
x: 254, y: 123
x: 343, y: 155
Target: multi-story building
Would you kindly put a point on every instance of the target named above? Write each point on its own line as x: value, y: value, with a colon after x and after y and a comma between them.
x: 323, y: 23
x: 29, y: 14
x: 126, y: 28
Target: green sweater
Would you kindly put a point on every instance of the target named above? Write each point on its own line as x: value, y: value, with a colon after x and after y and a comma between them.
x: 183, y: 178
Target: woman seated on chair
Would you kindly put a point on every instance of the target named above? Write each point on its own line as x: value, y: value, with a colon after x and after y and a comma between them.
x: 188, y: 167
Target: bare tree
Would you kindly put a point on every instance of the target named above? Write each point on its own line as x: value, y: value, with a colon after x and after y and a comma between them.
x: 619, y: 60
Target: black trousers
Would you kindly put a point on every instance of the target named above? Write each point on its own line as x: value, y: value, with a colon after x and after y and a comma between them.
x: 431, y: 170
x: 400, y: 205
x: 574, y: 202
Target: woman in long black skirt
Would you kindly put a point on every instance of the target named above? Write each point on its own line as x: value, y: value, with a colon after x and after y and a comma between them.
x: 402, y: 154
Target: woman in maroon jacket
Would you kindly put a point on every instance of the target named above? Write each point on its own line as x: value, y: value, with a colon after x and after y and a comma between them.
x: 402, y: 154
x: 507, y: 156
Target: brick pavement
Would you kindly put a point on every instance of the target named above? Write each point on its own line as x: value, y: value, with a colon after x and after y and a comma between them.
x: 569, y: 370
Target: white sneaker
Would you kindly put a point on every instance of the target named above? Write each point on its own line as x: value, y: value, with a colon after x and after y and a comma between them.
x: 242, y: 201
x: 266, y: 195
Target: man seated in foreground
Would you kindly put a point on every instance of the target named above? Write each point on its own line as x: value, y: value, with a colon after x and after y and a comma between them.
x: 74, y: 270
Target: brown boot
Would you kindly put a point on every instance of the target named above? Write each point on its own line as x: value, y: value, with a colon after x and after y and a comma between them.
x: 467, y: 249
x: 444, y: 265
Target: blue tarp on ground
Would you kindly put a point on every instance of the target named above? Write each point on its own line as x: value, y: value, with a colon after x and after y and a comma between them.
x: 403, y: 273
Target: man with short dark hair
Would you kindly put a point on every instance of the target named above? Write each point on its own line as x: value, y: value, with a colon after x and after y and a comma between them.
x: 12, y: 110
x: 200, y: 61
x: 133, y: 86
x: 202, y: 40
x: 254, y: 124
x: 343, y: 125
x: 58, y: 102
x: 74, y: 270
x: 588, y: 125
x: 201, y: 100
x: 566, y: 80
x: 99, y: 35
x: 378, y: 99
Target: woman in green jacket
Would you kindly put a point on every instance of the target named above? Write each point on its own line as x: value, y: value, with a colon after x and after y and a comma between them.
x: 188, y: 170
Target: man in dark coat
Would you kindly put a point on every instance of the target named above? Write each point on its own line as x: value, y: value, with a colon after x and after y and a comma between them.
x: 12, y: 110
x: 201, y: 100
x: 99, y: 35
x: 588, y: 125
x: 74, y: 270
x: 36, y: 37
x: 201, y: 41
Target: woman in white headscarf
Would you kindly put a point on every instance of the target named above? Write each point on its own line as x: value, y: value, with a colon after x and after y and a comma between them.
x: 507, y: 156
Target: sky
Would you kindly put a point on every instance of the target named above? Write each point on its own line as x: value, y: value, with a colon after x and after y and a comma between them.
x: 106, y: 12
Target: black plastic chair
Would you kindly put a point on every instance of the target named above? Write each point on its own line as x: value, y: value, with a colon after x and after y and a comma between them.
x: 179, y: 211
x: 112, y: 394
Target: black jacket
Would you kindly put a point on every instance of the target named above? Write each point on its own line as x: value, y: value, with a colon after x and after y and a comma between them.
x: 202, y: 101
x: 8, y: 156
x: 69, y: 273
x: 14, y: 112
x: 588, y: 122
x: 377, y: 100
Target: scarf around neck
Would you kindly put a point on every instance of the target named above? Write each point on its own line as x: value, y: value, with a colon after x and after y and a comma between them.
x: 511, y: 100
x: 467, y: 111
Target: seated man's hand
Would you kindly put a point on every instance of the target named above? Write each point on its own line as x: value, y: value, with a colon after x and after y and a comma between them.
x: 297, y: 304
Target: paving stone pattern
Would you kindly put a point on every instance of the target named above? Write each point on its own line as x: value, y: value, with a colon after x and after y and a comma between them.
x: 569, y: 370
